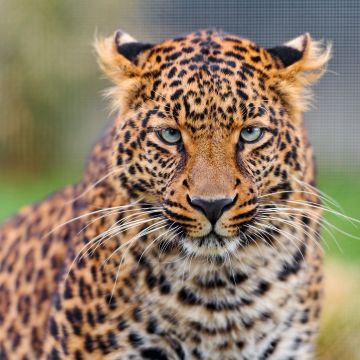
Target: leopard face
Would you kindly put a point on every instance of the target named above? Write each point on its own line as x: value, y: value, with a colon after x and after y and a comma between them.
x: 209, y: 125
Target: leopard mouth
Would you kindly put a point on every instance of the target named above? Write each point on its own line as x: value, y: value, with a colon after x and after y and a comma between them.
x: 211, y: 245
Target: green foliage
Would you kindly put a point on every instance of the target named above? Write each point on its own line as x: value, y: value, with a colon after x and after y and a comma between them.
x: 49, y: 82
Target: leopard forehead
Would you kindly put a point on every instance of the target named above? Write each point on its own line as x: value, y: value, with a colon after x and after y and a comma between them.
x: 207, y: 80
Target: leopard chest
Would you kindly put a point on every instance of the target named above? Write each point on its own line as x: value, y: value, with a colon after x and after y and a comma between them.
x: 241, y: 312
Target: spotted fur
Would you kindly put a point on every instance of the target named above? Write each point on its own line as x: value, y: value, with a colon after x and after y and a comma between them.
x: 246, y: 287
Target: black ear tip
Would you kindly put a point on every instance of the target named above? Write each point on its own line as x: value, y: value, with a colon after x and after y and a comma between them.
x: 286, y: 54
x: 132, y: 49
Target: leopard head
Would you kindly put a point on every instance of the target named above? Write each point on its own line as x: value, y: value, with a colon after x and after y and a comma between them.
x: 207, y: 125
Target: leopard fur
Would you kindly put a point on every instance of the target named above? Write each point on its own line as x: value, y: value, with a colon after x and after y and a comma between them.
x: 79, y: 280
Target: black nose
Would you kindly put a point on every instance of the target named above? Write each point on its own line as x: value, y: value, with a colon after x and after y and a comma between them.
x: 212, y: 208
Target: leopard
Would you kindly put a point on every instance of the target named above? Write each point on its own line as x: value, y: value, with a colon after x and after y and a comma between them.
x: 195, y: 230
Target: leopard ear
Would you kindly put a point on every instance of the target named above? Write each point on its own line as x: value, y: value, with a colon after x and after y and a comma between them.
x: 301, y: 61
x: 117, y: 57
x: 118, y: 54
x: 129, y: 47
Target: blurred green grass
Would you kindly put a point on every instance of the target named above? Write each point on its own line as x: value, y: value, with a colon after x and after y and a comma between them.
x: 17, y: 191
x: 344, y: 187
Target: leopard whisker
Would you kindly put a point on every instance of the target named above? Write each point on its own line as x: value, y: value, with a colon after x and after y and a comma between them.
x: 169, y: 231
x: 80, y: 254
x: 112, y: 212
x: 92, y: 186
x: 326, y: 209
x: 323, y: 221
x: 263, y: 231
x: 129, y: 245
x: 295, y: 226
x: 93, y: 213
x: 287, y: 235
x: 121, y: 225
x: 142, y: 233
x: 318, y: 191
x: 298, y: 214
x: 289, y: 216
x: 260, y: 234
x: 168, y: 241
x: 296, y: 192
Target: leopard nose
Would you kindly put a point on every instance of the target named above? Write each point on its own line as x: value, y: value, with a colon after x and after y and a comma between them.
x: 212, y: 208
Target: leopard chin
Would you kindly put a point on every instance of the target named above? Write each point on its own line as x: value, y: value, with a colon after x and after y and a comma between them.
x: 211, y: 245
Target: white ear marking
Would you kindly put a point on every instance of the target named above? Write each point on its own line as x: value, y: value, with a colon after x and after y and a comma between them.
x: 300, y: 42
x: 122, y: 38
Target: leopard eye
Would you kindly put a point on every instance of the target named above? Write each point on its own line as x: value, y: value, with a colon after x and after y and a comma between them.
x: 170, y: 136
x: 251, y: 134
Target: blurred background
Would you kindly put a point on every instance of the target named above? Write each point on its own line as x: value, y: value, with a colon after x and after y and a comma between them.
x: 52, y: 111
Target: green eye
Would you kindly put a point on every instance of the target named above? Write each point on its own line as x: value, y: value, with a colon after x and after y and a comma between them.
x: 170, y: 136
x: 251, y: 134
